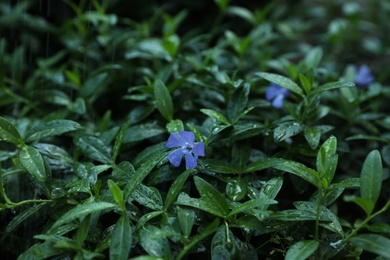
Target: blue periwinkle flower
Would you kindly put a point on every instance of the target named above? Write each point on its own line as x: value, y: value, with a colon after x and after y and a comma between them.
x: 186, y: 147
x: 276, y: 94
x: 363, y: 76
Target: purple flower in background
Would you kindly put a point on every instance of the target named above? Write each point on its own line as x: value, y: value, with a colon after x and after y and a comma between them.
x: 363, y: 76
x: 186, y: 147
x: 276, y: 94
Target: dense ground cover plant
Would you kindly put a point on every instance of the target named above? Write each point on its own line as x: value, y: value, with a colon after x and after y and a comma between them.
x: 180, y: 130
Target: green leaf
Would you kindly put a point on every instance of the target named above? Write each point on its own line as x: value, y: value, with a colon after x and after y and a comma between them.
x: 142, y: 132
x: 197, y: 239
x: 305, y: 82
x: 123, y: 171
x: 236, y: 189
x: 94, y: 148
x: 254, y: 203
x: 237, y: 102
x: 32, y: 161
x: 326, y: 161
x: 52, y: 128
x: 366, y: 204
x: 330, y: 86
x: 302, y: 250
x: 371, y: 176
x: 40, y: 251
x: 146, y: 217
x: 282, y: 81
x: 119, y: 139
x: 223, y: 244
x: 175, y: 126
x: 163, y: 100
x: 313, y: 57
x: 296, y: 168
x: 176, y: 187
x: 269, y: 191
x: 211, y: 196
x: 117, y: 194
x: 213, y: 165
x: 82, y: 210
x: 82, y: 231
x: 373, y: 243
x: 148, y: 196
x: 121, y: 239
x: 286, y: 130
x: 140, y: 174
x: 216, y: 115
x: 154, y: 242
x: 22, y: 216
x: 312, y: 136
x: 8, y: 132
x: 186, y: 217
x: 185, y: 200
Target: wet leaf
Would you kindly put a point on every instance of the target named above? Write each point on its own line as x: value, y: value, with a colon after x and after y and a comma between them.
x: 223, y: 244
x: 286, y: 130
x: 52, y: 128
x: 163, y: 100
x: 282, y: 81
x: 94, y: 148
x: 302, y: 250
x: 216, y: 115
x: 176, y: 187
x: 32, y: 161
x: 211, y: 196
x: 154, y: 242
x: 8, y: 132
x: 373, y: 243
x: 82, y: 210
x: 121, y: 239
x: 186, y: 217
x: 371, y: 176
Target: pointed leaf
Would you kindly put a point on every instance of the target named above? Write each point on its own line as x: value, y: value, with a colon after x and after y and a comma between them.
x: 94, y: 148
x: 332, y: 85
x: 216, y: 115
x: 237, y: 102
x: 117, y: 194
x: 119, y: 139
x: 52, y: 128
x: 186, y: 217
x: 371, y: 176
x: 121, y: 239
x: 82, y: 210
x: 176, y: 187
x: 286, y: 130
x: 302, y: 250
x: 8, y: 132
x: 211, y: 196
x: 32, y: 161
x: 163, y: 100
x: 282, y: 81
x: 223, y: 244
x: 373, y: 243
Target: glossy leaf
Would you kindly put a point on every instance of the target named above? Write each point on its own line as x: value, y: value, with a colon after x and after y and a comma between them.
x: 148, y: 196
x: 366, y: 204
x: 332, y: 85
x: 237, y: 102
x: 119, y: 139
x: 211, y: 196
x: 94, y: 148
x: 32, y: 161
x: 327, y: 160
x: 82, y: 210
x: 223, y: 244
x: 163, y: 100
x: 254, y: 203
x: 302, y: 250
x: 282, y: 81
x: 373, y: 243
x: 216, y: 115
x: 371, y: 176
x: 117, y: 194
x: 176, y: 187
x: 8, y: 132
x: 295, y: 168
x: 52, y: 128
x: 154, y: 242
x: 286, y: 130
x: 186, y: 217
x: 213, y: 165
x: 143, y: 131
x: 121, y: 239
x: 312, y: 136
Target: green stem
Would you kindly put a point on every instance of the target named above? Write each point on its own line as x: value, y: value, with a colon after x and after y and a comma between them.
x: 353, y: 233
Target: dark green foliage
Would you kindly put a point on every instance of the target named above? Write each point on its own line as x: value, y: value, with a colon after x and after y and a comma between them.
x: 90, y: 91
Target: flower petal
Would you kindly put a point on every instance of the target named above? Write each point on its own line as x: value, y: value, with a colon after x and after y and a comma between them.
x: 175, y: 140
x: 175, y: 157
x: 188, y: 136
x: 191, y: 161
x: 198, y: 149
x: 271, y: 92
x: 363, y: 76
x: 278, y: 101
